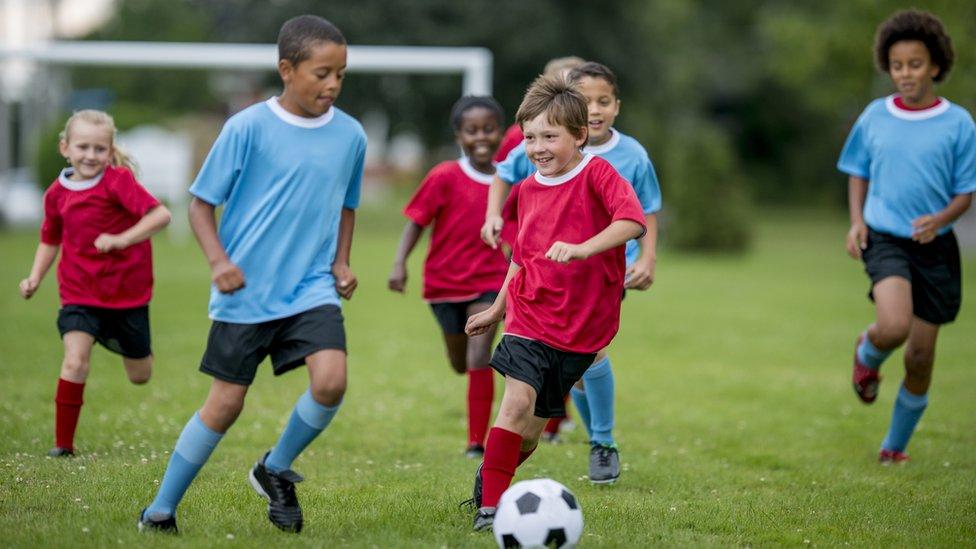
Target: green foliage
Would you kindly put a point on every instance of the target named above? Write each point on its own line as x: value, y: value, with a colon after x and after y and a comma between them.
x: 48, y: 161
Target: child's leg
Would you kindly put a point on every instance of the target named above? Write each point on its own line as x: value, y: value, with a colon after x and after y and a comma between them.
x: 505, y: 441
x: 893, y: 306
x: 481, y: 382
x: 582, y: 404
x: 138, y: 370
x: 195, y: 444
x: 913, y: 395
x: 599, y: 383
x: 71, y: 386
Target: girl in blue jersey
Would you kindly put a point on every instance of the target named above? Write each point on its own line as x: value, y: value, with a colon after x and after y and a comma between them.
x: 911, y: 162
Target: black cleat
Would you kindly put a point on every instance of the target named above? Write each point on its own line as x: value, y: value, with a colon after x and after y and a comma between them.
x: 484, y: 518
x: 279, y: 489
x: 164, y: 526
x: 475, y: 501
x: 474, y: 451
x: 59, y: 452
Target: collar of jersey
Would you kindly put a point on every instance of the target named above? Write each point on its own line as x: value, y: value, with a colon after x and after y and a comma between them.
x: 83, y: 185
x: 300, y: 121
x: 606, y: 147
x: 932, y: 112
x: 553, y: 181
x: 468, y: 169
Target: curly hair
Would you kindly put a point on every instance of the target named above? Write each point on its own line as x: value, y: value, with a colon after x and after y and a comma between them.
x: 915, y: 25
x: 298, y: 34
x: 473, y: 101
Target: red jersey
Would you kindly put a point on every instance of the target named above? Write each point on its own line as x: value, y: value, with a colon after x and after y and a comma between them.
x: 75, y: 213
x: 575, y: 306
x: 459, y: 266
x: 513, y: 136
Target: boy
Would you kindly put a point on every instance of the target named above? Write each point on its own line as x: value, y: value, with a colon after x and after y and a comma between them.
x: 288, y: 172
x: 561, y: 297
x: 594, y: 396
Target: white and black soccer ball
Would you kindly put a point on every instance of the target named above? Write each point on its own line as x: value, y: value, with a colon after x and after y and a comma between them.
x: 538, y: 513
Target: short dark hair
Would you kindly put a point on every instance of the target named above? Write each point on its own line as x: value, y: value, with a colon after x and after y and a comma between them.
x: 469, y: 102
x: 595, y: 70
x: 298, y: 34
x: 915, y: 25
x: 559, y: 100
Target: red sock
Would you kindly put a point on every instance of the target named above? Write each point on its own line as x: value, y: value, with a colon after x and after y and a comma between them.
x: 552, y: 426
x: 67, y: 407
x: 481, y: 392
x: 524, y: 454
x: 501, y: 459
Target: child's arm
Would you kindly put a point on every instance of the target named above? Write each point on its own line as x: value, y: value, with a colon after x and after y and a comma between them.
x: 640, y: 275
x: 481, y: 322
x: 857, y: 237
x: 408, y: 239
x: 345, y: 280
x: 926, y: 228
x: 616, y: 234
x: 492, y: 229
x: 150, y: 224
x: 227, y: 276
x: 43, y: 259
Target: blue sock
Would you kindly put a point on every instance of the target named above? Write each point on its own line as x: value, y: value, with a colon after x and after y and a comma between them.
x: 193, y: 448
x: 869, y: 355
x: 908, y: 410
x: 308, y: 419
x: 598, y: 380
x: 583, y: 406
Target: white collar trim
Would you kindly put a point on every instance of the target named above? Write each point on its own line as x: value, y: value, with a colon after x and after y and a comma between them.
x: 471, y: 172
x: 83, y: 185
x: 924, y: 114
x: 553, y: 181
x: 300, y: 121
x: 606, y: 147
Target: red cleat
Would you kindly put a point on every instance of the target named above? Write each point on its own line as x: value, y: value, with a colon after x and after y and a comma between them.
x: 866, y: 380
x: 888, y: 457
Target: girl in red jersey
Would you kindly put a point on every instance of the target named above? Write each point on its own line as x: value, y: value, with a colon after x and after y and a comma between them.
x: 462, y: 275
x: 101, y: 218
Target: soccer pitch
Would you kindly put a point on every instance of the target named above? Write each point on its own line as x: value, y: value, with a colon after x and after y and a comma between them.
x: 735, y: 417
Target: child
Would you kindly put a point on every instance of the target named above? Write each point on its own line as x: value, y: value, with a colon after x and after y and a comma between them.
x: 562, y: 293
x: 911, y: 158
x: 594, y: 397
x: 462, y: 276
x: 102, y: 218
x: 288, y: 173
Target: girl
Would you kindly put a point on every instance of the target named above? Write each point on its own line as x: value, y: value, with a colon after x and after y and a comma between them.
x: 462, y: 275
x: 911, y: 158
x: 102, y: 218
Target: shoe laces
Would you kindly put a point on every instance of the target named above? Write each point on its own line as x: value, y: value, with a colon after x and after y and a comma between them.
x: 284, y: 483
x: 603, y: 455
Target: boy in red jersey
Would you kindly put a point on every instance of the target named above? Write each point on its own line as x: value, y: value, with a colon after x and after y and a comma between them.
x: 561, y: 298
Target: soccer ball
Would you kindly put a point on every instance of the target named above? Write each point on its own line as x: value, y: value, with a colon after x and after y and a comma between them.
x: 538, y: 513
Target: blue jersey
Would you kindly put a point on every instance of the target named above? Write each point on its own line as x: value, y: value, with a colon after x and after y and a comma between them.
x: 623, y: 152
x: 915, y: 161
x: 283, y: 181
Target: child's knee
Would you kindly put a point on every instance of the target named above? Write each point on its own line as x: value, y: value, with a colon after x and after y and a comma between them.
x: 329, y: 392
x: 891, y: 333
x: 74, y: 368
x: 139, y: 371
x: 516, y: 408
x: 141, y: 377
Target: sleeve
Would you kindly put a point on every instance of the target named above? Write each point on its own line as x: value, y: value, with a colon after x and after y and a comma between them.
x: 516, y: 166
x: 351, y: 200
x: 647, y: 187
x: 222, y: 168
x: 619, y: 197
x: 964, y: 170
x: 133, y: 197
x: 51, y: 226
x: 855, y: 158
x: 427, y: 201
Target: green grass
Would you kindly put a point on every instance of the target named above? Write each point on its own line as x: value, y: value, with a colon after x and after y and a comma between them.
x: 736, y: 420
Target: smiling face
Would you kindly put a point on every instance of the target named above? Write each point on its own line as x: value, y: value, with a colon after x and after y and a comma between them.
x: 312, y: 86
x: 552, y: 148
x: 602, y: 108
x: 88, y: 148
x: 912, y: 71
x: 479, y: 135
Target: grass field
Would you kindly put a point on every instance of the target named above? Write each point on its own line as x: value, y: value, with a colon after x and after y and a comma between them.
x: 736, y: 420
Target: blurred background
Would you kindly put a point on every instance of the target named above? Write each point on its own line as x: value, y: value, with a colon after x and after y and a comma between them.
x: 743, y: 106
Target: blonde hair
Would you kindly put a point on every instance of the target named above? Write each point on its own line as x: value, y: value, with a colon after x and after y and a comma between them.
x: 559, y: 100
x: 100, y: 118
x: 561, y: 65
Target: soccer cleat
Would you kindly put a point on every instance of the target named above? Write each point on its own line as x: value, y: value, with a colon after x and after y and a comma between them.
x: 866, y: 380
x: 59, y: 452
x: 475, y: 501
x: 484, y: 518
x: 149, y: 524
x: 279, y: 489
x: 604, y: 464
x: 888, y: 457
x: 474, y: 451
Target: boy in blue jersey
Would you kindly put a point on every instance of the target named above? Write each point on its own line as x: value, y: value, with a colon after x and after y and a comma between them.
x: 594, y: 395
x: 911, y: 162
x: 288, y: 173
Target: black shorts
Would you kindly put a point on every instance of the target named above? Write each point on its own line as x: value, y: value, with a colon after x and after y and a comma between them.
x: 122, y: 331
x: 933, y: 270
x: 234, y: 351
x: 549, y: 371
x: 453, y: 316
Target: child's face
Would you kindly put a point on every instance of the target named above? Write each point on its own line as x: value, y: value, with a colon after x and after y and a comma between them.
x: 88, y: 148
x: 602, y: 107
x: 552, y: 148
x: 911, y: 69
x: 314, y: 84
x: 479, y: 135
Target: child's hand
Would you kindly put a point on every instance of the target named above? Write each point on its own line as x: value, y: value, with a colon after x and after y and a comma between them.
x: 398, y: 278
x: 481, y: 322
x: 28, y: 286
x: 562, y: 252
x: 926, y: 228
x: 228, y: 277
x: 345, y: 281
x: 640, y: 275
x: 108, y: 242
x: 857, y: 240
x: 491, y: 231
